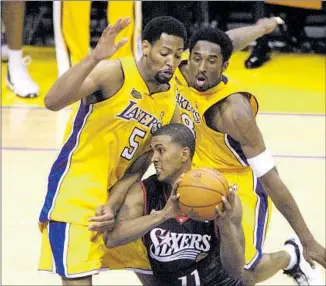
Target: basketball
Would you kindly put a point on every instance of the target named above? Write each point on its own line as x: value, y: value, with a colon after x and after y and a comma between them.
x: 200, y: 191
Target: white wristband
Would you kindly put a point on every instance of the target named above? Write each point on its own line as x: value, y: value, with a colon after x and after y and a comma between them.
x: 262, y: 163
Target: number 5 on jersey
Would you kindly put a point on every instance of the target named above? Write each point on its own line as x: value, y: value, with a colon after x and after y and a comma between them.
x: 129, y: 151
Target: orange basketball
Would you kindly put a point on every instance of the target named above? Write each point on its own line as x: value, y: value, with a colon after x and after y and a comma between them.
x: 201, y: 190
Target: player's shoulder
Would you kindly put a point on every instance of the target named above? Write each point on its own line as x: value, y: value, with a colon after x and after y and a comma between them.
x: 235, y: 105
x: 238, y: 101
x: 108, y: 70
x: 109, y: 76
x: 109, y: 66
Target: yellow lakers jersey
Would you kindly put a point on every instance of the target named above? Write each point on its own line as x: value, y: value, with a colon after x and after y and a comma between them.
x: 213, y: 149
x: 102, y: 141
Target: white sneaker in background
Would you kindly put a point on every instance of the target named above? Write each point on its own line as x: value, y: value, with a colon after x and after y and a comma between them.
x: 19, y: 80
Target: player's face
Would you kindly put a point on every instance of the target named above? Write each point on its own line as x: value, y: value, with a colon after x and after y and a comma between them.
x: 206, y: 65
x: 163, y: 57
x: 168, y: 158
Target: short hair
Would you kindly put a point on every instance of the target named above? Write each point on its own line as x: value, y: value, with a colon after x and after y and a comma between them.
x: 216, y: 36
x: 180, y: 134
x: 164, y: 24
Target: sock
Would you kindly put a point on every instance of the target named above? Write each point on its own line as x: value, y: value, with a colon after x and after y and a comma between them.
x: 15, y: 56
x: 290, y: 249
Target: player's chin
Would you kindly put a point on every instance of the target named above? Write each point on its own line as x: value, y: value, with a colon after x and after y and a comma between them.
x: 202, y: 87
x: 161, y: 177
x: 163, y: 78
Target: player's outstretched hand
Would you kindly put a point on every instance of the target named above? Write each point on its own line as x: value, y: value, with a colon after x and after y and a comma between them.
x: 103, y: 220
x: 313, y: 251
x: 224, y: 217
x: 106, y: 46
x: 270, y: 24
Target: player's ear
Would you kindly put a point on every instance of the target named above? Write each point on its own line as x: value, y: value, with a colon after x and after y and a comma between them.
x: 146, y: 48
x: 185, y: 155
x: 225, y: 66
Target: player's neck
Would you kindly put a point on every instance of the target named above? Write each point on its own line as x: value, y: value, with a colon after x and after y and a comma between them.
x: 152, y: 85
x: 184, y: 169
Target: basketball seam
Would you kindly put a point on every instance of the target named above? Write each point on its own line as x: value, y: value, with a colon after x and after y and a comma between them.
x: 196, y: 207
x: 201, y: 187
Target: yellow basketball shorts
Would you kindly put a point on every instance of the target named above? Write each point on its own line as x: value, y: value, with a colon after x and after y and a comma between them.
x: 72, y: 251
x: 256, y: 212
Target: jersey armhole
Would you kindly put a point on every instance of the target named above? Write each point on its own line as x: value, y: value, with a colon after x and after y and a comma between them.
x: 97, y: 98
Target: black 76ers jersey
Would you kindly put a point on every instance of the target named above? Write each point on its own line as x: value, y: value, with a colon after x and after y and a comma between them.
x: 181, y: 251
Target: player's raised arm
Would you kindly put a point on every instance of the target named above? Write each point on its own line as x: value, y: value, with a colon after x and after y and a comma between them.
x: 237, y: 119
x: 242, y: 37
x: 132, y: 223
x: 90, y: 75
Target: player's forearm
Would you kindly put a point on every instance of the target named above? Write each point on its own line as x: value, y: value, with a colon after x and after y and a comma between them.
x: 134, y: 173
x: 232, y: 249
x: 243, y: 36
x: 130, y: 230
x: 285, y: 203
x: 65, y: 90
x: 118, y: 192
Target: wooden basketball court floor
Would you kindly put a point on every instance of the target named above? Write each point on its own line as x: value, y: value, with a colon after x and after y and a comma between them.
x: 291, y: 92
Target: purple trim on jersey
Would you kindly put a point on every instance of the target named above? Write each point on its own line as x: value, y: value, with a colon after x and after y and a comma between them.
x: 261, y: 223
x: 57, y: 237
x: 237, y: 148
x: 62, y: 163
x: 262, y: 213
x: 225, y: 79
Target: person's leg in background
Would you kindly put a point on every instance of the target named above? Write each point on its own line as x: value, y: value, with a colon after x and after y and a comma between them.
x: 71, y: 21
x: 295, y: 35
x: 18, y: 78
x: 123, y: 9
x: 4, y: 45
x: 72, y: 29
x: 259, y: 54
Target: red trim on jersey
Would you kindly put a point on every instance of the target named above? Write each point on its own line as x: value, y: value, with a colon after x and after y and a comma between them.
x: 143, y: 187
x: 181, y: 219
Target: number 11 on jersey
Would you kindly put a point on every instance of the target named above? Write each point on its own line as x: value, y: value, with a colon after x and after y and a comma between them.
x: 196, y: 277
